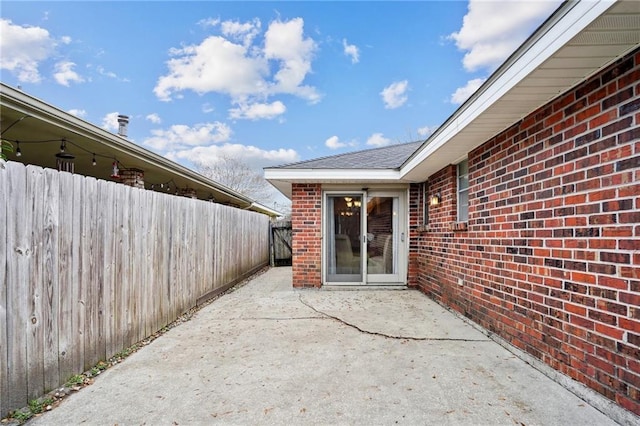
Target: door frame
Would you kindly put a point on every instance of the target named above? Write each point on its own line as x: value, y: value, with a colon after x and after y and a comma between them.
x: 402, y: 192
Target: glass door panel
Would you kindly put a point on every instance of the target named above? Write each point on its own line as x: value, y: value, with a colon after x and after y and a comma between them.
x: 344, y: 246
x: 385, y: 239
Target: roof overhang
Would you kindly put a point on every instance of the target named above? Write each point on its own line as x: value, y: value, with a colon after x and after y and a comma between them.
x: 32, y: 122
x: 282, y: 178
x: 577, y: 41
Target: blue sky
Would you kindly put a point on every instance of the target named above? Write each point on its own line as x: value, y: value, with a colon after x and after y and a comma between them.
x: 266, y: 82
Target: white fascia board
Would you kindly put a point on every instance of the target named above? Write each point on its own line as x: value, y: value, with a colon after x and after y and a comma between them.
x: 261, y: 208
x: 320, y: 175
x: 552, y: 38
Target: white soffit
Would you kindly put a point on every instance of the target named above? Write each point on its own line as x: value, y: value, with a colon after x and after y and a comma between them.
x: 577, y: 41
x: 282, y: 178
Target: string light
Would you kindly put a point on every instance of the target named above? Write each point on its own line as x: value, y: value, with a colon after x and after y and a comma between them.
x: 116, y: 165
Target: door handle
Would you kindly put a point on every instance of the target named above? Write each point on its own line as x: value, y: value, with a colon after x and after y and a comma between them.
x: 402, y: 237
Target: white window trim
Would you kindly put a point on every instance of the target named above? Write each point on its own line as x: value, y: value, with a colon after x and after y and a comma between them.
x: 459, y: 191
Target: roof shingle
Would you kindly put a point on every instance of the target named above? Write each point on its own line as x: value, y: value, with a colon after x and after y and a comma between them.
x: 388, y: 157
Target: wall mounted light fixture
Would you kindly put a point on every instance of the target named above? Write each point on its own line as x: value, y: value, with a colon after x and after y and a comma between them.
x: 435, y: 199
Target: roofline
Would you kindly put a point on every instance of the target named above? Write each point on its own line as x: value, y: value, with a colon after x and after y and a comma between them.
x: 318, y: 175
x: 343, y: 154
x: 34, y: 107
x: 565, y: 23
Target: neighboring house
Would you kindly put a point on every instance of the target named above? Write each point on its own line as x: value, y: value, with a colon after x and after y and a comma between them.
x: 521, y: 212
x: 39, y: 132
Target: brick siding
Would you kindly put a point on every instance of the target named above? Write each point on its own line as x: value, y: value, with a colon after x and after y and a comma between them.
x: 550, y: 259
x: 306, y: 226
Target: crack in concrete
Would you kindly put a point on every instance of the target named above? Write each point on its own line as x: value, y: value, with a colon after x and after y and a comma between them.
x: 388, y: 336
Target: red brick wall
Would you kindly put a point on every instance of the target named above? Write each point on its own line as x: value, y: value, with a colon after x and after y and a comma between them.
x: 306, y: 225
x: 551, y: 257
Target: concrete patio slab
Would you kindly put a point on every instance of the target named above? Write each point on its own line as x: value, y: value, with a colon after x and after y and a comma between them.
x: 269, y: 354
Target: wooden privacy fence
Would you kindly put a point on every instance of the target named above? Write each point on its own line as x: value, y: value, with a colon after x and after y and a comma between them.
x: 90, y: 267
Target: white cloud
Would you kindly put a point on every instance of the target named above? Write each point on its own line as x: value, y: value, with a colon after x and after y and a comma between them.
x: 378, y: 140
x: 209, y: 22
x: 181, y: 136
x: 78, y: 112
x: 23, y: 48
x: 154, y: 118
x: 243, y: 32
x: 425, y: 131
x: 254, y: 157
x: 492, y: 30
x: 351, y: 50
x: 215, y: 65
x: 65, y: 39
x: 394, y: 95
x: 285, y: 42
x: 334, y: 143
x: 243, y: 71
x: 64, y: 73
x: 106, y: 73
x: 463, y: 93
x: 110, y: 122
x: 258, y: 111
x: 102, y: 71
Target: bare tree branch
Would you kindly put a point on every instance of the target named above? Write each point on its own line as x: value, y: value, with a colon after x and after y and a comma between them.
x: 237, y: 175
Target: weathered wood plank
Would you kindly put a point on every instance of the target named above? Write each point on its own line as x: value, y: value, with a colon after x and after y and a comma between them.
x: 66, y: 276
x: 120, y: 259
x: 125, y: 275
x: 78, y: 296
x: 136, y: 278
x: 51, y: 287
x: 108, y: 274
x: 165, y: 256
x: 103, y: 242
x: 34, y: 283
x: 18, y: 261
x: 5, y: 210
x: 89, y: 270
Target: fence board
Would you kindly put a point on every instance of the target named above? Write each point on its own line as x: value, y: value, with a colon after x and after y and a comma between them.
x: 35, y: 283
x: 89, y: 271
x: 50, y: 245
x: 4, y: 373
x: 78, y: 312
x: 17, y: 296
x: 108, y: 321
x: 92, y: 267
x: 65, y: 276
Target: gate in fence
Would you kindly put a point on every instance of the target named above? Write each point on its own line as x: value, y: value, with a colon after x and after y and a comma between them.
x: 281, y: 236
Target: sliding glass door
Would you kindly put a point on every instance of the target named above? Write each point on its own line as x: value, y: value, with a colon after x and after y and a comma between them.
x: 364, y: 238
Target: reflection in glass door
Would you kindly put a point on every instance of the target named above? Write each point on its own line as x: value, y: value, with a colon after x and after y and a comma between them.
x: 344, y: 245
